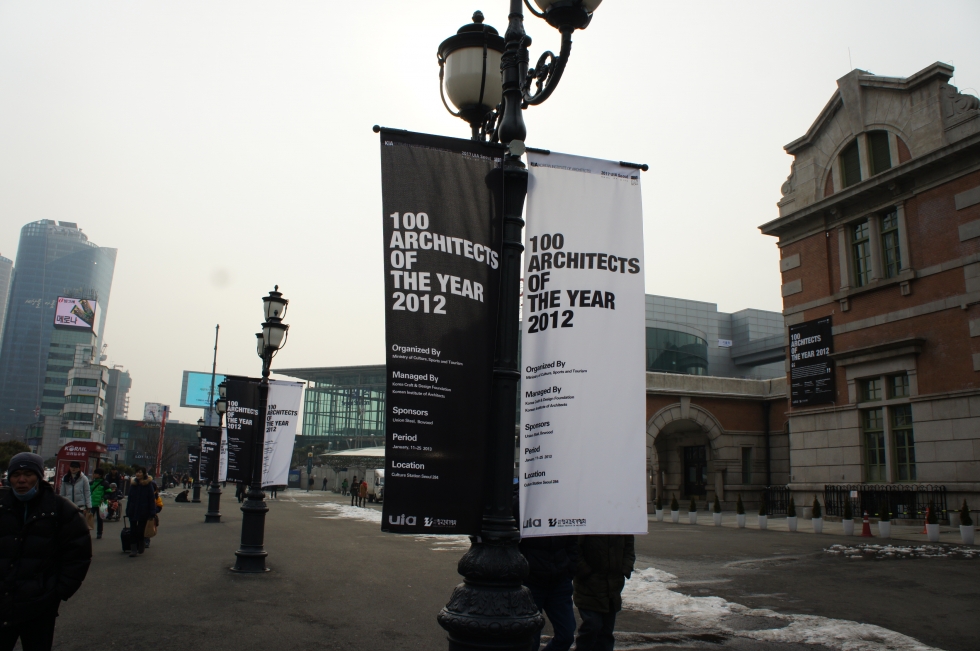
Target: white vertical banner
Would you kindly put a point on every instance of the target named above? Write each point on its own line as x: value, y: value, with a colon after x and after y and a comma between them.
x: 583, y: 380
x: 281, y: 421
x: 223, y: 456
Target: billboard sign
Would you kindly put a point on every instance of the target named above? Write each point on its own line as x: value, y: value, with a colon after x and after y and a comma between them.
x: 195, y: 389
x: 153, y: 411
x: 80, y: 313
x: 811, y: 370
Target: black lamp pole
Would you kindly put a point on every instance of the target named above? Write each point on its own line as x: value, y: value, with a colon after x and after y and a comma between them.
x: 251, y: 554
x: 214, y: 490
x: 491, y: 609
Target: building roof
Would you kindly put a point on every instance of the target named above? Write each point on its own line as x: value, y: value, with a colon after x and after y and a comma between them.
x: 312, y: 373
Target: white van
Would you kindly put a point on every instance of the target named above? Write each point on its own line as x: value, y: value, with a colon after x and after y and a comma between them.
x: 376, y: 484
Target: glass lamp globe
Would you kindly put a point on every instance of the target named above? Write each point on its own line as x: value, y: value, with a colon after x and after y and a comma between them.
x: 273, y: 333
x: 472, y: 75
x: 274, y: 305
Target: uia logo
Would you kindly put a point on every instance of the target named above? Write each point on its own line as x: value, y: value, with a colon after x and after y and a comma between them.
x: 532, y: 522
x: 408, y: 520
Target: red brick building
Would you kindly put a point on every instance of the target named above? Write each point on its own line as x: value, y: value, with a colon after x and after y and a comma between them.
x: 879, y: 229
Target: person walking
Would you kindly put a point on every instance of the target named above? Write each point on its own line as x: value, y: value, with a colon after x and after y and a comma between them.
x: 309, y: 483
x: 98, y: 488
x: 140, y: 507
x: 324, y: 487
x: 604, y: 564
x: 240, y: 491
x: 354, y: 486
x: 552, y: 562
x: 362, y: 493
x: 75, y: 487
x: 45, y: 552
x: 343, y: 487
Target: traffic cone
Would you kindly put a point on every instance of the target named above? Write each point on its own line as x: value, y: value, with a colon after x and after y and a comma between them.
x: 928, y: 511
x: 866, y: 529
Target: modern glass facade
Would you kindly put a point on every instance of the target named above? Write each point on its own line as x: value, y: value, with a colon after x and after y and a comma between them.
x: 6, y: 271
x: 53, y: 259
x: 343, y: 406
x: 669, y: 351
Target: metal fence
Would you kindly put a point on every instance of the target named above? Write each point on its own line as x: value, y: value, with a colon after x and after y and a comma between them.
x: 777, y: 500
x: 904, y: 501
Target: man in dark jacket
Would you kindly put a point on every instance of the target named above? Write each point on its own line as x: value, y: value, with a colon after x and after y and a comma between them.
x: 45, y: 551
x: 604, y: 564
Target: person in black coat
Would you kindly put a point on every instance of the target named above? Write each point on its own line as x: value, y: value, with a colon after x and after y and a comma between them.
x: 45, y: 551
x: 551, y: 561
x: 140, y: 507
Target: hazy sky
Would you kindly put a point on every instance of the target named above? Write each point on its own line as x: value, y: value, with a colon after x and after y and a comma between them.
x: 224, y: 147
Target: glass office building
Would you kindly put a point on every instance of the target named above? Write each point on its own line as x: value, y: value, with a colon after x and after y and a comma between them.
x: 343, y: 407
x: 53, y: 259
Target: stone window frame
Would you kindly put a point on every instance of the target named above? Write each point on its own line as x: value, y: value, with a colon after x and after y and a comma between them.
x: 878, y: 273
x: 881, y: 361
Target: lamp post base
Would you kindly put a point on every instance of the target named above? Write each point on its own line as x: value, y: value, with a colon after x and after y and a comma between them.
x: 490, y: 609
x: 196, y: 493
x: 214, y: 504
x: 250, y: 557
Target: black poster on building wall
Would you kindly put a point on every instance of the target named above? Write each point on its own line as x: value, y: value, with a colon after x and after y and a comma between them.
x: 811, y: 369
x: 242, y: 421
x: 210, y: 444
x: 441, y: 213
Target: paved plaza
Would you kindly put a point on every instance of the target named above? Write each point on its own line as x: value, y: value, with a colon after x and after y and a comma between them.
x: 338, y: 582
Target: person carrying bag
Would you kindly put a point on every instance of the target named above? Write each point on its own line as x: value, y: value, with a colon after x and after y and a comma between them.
x: 75, y: 488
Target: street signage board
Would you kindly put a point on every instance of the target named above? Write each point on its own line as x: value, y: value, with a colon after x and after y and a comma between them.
x: 583, y: 350
x: 281, y: 420
x: 242, y: 423
x: 442, y: 211
x: 811, y: 369
x: 210, y: 443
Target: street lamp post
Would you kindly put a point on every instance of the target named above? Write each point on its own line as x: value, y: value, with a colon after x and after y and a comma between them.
x: 491, y: 609
x: 214, y: 490
x: 196, y: 479
x: 251, y: 555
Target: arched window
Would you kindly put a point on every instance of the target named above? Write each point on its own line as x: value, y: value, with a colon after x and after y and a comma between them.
x: 850, y: 165
x: 879, y: 156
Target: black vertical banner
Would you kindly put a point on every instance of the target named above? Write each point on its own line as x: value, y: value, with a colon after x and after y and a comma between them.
x: 243, y: 426
x: 811, y: 368
x: 442, y: 210
x: 210, y: 443
x: 194, y: 461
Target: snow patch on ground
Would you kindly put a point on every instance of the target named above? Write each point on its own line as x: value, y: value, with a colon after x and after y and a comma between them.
x: 336, y: 511
x: 650, y: 590
x: 868, y: 550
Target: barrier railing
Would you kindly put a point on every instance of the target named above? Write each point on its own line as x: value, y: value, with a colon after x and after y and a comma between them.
x: 904, y: 501
x: 777, y: 500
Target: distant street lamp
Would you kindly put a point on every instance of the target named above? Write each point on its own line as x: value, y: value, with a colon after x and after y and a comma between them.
x: 491, y: 609
x: 251, y: 555
x: 214, y: 489
x: 196, y: 472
